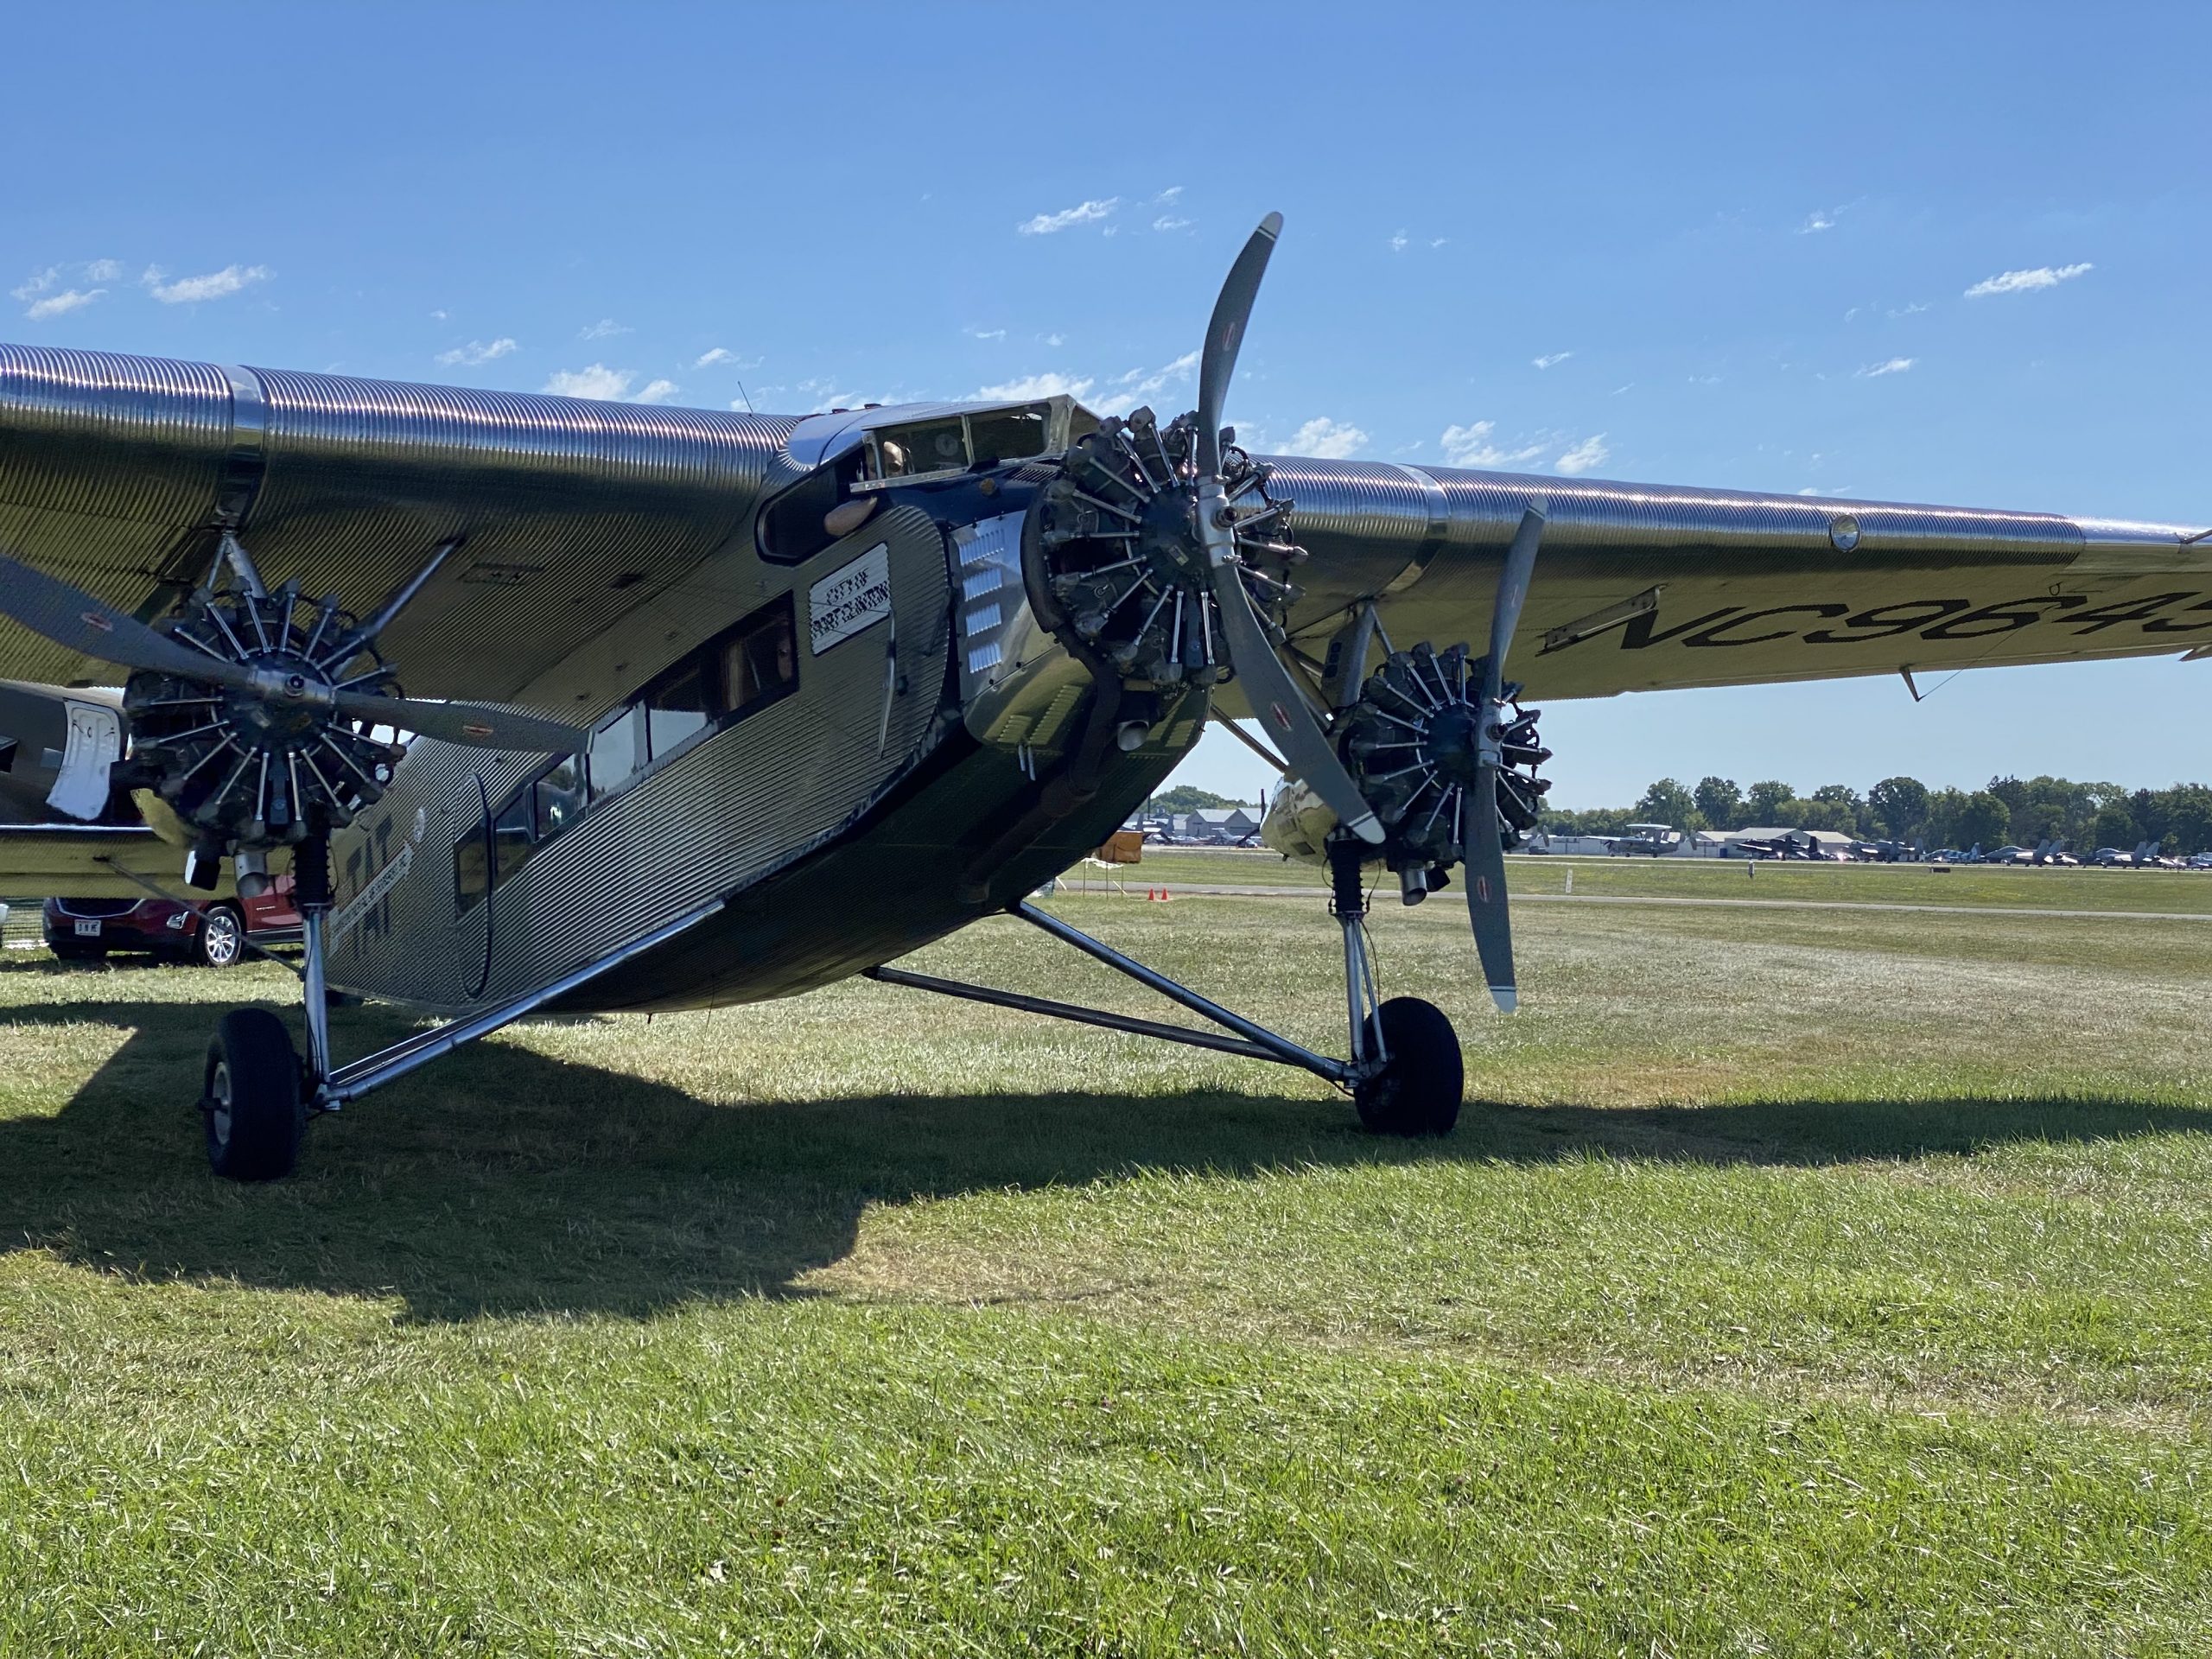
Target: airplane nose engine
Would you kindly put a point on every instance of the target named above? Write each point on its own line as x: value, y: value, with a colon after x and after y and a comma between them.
x: 1126, y: 564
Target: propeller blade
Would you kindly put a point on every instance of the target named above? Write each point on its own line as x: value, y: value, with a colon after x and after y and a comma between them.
x: 469, y: 724
x: 1487, y: 909
x: 73, y: 619
x: 1512, y: 593
x: 1226, y: 337
x: 1283, y: 709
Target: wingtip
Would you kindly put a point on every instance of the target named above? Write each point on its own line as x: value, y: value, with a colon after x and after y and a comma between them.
x: 1506, y: 998
x: 1271, y: 225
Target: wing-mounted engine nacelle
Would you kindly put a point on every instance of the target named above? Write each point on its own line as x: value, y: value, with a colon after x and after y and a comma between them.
x: 1413, y: 741
x: 251, y: 767
x: 1126, y: 573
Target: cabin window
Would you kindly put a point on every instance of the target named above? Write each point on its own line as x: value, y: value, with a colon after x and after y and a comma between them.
x: 759, y: 658
x: 470, y: 868
x: 676, y: 706
x: 560, y: 797
x: 617, y: 748
x: 514, y: 837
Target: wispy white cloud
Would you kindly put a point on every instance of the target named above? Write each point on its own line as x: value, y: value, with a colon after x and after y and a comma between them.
x: 1169, y: 222
x: 1477, y: 446
x: 1820, y: 218
x: 1326, y: 439
x: 1397, y: 242
x: 1913, y: 310
x: 1894, y: 366
x: 1082, y: 212
x: 823, y: 394
x: 1591, y: 452
x: 215, y: 285
x: 477, y: 352
x: 1050, y: 384
x: 708, y: 360
x: 1132, y: 388
x: 1550, y: 358
x: 1438, y: 242
x: 1168, y: 194
x: 439, y: 316
x: 103, y: 271
x: 54, y: 305
x: 37, y: 282
x: 2019, y: 281
x: 1813, y: 490
x: 1616, y: 390
x: 984, y: 334
x: 1053, y: 340
x: 607, y: 385
x: 605, y: 329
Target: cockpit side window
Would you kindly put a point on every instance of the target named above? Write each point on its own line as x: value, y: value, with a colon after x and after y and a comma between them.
x: 790, y: 530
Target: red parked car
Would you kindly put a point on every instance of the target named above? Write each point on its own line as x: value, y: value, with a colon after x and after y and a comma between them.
x: 213, y: 932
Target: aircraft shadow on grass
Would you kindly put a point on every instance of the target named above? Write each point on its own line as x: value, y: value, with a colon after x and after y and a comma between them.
x: 507, y: 1182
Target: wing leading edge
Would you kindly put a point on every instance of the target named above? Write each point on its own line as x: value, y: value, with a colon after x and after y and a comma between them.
x: 116, y: 473
x: 1651, y: 587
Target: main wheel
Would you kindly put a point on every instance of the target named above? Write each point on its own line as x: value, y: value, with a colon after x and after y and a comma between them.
x: 1419, y: 1088
x: 222, y: 937
x: 255, y: 1110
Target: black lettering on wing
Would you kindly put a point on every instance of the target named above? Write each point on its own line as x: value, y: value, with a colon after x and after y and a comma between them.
x: 1887, y: 620
x: 2006, y: 616
x: 1713, y: 636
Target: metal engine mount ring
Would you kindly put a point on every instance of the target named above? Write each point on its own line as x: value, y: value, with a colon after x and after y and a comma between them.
x: 1411, y: 742
x: 251, y: 771
x: 1125, y: 564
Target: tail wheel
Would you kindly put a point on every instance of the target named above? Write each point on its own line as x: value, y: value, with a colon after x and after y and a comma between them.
x: 1418, y: 1089
x: 255, y: 1112
x: 222, y: 937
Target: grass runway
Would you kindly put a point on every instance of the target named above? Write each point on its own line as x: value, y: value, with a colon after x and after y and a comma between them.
x: 1805, y: 1282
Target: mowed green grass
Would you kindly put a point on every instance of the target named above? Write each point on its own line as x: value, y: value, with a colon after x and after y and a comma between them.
x: 2048, y: 888
x: 1798, y: 1282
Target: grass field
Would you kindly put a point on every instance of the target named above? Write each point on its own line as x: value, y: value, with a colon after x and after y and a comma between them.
x: 1799, y: 1281
x: 1703, y: 878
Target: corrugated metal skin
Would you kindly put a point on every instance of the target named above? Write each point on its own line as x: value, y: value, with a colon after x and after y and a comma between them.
x: 161, y: 428
x: 107, y: 462
x: 745, y: 803
x: 1362, y: 521
x: 559, y: 497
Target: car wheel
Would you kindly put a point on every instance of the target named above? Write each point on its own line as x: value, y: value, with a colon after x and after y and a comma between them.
x: 1418, y: 1090
x: 251, y: 1100
x: 222, y: 937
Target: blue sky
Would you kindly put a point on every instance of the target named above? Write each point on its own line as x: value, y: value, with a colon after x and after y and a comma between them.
x: 1722, y: 245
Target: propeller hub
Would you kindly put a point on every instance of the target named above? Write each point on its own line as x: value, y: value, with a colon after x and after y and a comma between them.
x: 1126, y: 557
x: 1417, y: 741
x: 266, y: 759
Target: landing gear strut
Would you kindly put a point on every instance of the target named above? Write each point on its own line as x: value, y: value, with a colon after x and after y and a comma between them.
x: 1404, y: 1074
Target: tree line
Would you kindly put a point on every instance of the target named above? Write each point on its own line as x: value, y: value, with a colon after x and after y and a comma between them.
x: 2027, y: 811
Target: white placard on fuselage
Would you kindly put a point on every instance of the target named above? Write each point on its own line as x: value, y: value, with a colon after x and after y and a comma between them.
x: 851, y: 600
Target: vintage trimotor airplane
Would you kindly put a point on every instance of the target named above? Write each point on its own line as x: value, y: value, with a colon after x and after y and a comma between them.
x: 702, y: 677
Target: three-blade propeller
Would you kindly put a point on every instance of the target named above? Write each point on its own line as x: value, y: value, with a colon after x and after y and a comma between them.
x: 1275, y: 698
x: 59, y: 611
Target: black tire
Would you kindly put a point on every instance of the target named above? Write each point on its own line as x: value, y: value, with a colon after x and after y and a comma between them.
x: 221, y: 939
x: 1418, y: 1089
x: 251, y: 1099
